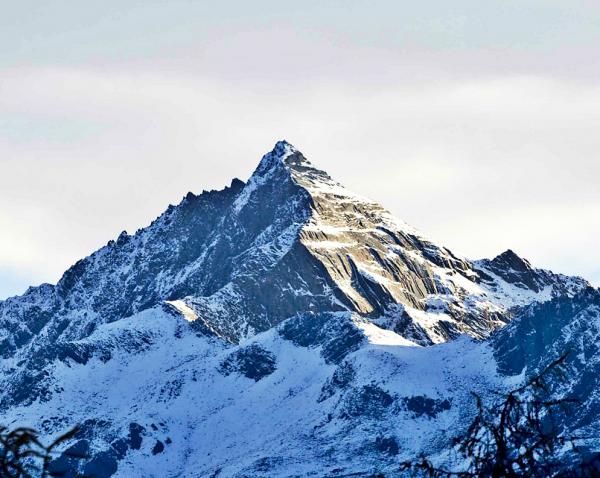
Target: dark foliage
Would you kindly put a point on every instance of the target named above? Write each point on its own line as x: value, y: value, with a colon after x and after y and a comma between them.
x: 23, y: 455
x: 521, y: 435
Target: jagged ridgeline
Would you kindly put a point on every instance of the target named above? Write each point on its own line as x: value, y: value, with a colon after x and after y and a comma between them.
x: 246, y: 330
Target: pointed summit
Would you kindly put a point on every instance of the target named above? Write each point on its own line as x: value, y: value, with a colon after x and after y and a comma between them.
x: 510, y: 259
x: 284, y: 164
x: 286, y: 155
x: 275, y: 157
x: 282, y: 147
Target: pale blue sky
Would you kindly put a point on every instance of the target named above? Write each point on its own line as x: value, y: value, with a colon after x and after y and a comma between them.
x: 477, y: 122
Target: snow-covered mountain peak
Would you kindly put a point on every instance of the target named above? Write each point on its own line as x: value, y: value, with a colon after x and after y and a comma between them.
x: 286, y: 159
x: 284, y: 303
x: 274, y: 158
x: 290, y: 240
x: 283, y: 155
x: 286, y: 163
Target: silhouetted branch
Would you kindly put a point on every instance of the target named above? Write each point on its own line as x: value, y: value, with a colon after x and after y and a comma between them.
x: 517, y: 436
x: 23, y: 455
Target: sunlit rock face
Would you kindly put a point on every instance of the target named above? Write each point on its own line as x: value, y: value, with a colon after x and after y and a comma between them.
x: 286, y: 302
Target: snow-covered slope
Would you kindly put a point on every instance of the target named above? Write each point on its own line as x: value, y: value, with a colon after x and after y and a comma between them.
x: 319, y: 393
x: 276, y: 325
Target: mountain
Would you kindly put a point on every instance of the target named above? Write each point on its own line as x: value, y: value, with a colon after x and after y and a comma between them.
x: 279, y: 327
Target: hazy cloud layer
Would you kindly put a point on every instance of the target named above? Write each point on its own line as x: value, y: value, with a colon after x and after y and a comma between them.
x: 478, y: 125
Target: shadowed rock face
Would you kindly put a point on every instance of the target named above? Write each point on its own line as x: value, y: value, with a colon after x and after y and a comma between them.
x: 517, y: 271
x: 335, y: 333
x: 253, y: 362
